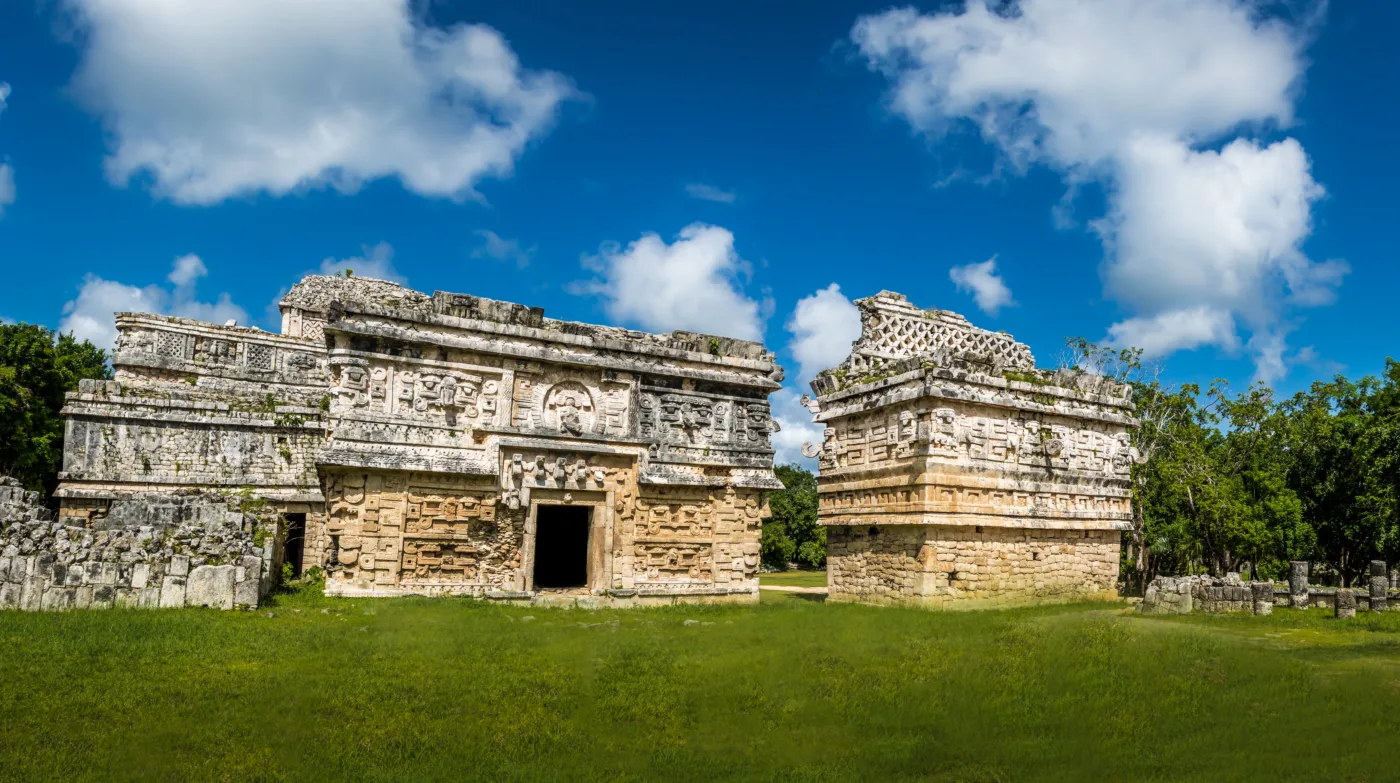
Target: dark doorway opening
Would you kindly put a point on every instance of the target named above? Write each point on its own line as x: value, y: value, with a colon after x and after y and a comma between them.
x: 295, y: 543
x: 561, y: 546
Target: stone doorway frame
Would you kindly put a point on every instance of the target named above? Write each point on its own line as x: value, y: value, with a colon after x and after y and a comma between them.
x: 600, y: 535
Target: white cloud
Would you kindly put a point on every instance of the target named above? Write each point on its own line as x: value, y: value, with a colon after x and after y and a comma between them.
x: 797, y: 429
x: 986, y: 286
x: 823, y: 326
x: 214, y: 99
x: 1137, y: 95
x: 710, y: 193
x: 188, y: 268
x: 90, y: 316
x: 1175, y: 330
x: 7, y: 186
x: 376, y: 261
x: 500, y: 249
x: 690, y: 284
x: 7, y: 172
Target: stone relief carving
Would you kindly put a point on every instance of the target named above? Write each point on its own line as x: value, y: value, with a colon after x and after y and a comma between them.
x: 700, y: 420
x: 568, y: 408
x: 455, y: 398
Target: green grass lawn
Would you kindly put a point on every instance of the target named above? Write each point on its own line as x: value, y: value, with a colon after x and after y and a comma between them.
x: 418, y: 689
x: 794, y: 578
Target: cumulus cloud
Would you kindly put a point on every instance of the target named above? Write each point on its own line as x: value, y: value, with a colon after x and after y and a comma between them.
x: 1176, y: 330
x: 213, y: 99
x: 797, y: 429
x: 375, y: 261
x: 1203, y: 233
x: 7, y: 172
x: 509, y: 250
x: 691, y: 283
x: 986, y: 286
x: 90, y: 315
x: 823, y: 326
x: 710, y: 193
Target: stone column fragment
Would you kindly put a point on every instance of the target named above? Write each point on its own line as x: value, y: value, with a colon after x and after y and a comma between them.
x: 1298, y: 584
x: 1379, y: 584
x: 1263, y: 595
x: 1346, y: 604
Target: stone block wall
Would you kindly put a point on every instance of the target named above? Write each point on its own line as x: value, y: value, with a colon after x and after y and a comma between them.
x: 960, y: 566
x: 149, y: 550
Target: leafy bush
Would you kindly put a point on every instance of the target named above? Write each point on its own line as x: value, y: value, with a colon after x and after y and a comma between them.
x: 37, y: 368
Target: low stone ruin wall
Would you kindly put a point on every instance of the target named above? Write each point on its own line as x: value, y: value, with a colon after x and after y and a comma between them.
x: 1216, y: 595
x: 155, y: 550
x: 1185, y: 594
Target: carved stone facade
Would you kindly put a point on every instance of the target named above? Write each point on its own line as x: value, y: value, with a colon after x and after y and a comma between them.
x: 954, y: 473
x: 426, y: 444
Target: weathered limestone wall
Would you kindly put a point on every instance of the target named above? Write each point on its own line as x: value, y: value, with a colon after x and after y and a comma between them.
x: 195, y: 405
x: 148, y: 550
x: 942, y: 566
x: 986, y: 479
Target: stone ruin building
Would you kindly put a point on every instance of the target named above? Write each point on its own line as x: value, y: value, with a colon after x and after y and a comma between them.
x: 953, y: 473
x: 446, y: 444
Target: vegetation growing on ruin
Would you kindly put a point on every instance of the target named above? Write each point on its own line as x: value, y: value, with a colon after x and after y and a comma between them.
x: 1032, y: 377
x: 450, y: 689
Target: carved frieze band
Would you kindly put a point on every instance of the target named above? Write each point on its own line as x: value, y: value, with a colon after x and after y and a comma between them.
x: 222, y: 351
x: 861, y: 441
x: 950, y: 498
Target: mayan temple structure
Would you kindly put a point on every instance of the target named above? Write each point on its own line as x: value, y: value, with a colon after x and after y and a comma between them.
x: 953, y: 473
x: 445, y: 444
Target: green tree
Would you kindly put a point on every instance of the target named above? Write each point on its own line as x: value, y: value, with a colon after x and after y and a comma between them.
x: 792, y: 533
x: 37, y: 368
x: 1344, y: 460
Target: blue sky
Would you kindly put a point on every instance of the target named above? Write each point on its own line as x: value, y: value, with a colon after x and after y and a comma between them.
x: 719, y: 166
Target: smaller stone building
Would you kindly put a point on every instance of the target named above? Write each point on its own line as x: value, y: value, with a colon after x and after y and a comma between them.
x: 953, y: 473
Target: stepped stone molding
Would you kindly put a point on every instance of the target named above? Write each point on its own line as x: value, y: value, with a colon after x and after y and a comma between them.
x: 420, y: 435
x: 954, y: 473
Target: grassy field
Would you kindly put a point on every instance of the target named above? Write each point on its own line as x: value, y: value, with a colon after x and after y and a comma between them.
x: 350, y: 690
x: 794, y: 578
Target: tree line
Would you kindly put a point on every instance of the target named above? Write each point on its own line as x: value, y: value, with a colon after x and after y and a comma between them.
x: 1245, y: 481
